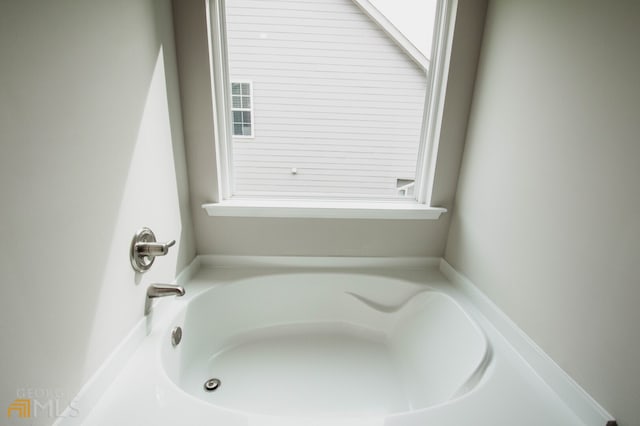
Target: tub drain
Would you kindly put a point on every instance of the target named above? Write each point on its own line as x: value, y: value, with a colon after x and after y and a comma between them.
x: 212, y: 384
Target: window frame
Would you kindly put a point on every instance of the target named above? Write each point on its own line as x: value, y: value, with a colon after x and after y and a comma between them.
x: 226, y: 204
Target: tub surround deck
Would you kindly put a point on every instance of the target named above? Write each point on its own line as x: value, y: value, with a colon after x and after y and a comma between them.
x: 144, y: 392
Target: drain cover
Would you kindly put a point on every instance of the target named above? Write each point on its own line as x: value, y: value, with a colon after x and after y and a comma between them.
x: 212, y: 384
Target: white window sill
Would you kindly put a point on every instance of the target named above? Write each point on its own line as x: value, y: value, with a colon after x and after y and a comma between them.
x: 323, y: 209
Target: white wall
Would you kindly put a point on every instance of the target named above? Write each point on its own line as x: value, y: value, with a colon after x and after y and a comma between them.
x: 546, y: 216
x: 91, y: 150
x: 259, y: 236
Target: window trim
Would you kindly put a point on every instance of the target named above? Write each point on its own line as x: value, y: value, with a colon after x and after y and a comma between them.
x: 434, y: 102
x: 322, y: 209
x: 226, y: 204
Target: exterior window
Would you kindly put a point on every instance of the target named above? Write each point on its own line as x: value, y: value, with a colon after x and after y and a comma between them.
x: 241, y: 109
x: 350, y: 106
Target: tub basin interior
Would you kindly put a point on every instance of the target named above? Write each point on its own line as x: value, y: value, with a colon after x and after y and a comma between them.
x: 326, y: 345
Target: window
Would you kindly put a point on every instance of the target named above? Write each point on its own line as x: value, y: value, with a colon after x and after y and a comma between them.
x: 349, y: 106
x: 241, y: 109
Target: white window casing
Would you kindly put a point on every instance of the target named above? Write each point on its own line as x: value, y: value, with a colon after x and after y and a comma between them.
x: 418, y: 207
x: 434, y: 102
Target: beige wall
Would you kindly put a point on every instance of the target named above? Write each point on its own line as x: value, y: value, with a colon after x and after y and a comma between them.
x: 260, y: 236
x: 547, y: 212
x: 91, y: 150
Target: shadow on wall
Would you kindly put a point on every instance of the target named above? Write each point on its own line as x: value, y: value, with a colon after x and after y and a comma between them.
x: 92, y: 150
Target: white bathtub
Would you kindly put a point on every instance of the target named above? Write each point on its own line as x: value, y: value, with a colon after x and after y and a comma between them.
x: 325, y: 345
x: 328, y: 342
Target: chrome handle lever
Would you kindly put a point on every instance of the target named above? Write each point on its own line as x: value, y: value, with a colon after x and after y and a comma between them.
x: 153, y: 249
x: 145, y: 248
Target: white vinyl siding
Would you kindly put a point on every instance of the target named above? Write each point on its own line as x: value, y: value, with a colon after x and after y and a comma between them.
x: 338, y: 100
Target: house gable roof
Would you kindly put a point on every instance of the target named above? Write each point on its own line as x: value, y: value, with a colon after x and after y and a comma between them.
x: 394, y: 33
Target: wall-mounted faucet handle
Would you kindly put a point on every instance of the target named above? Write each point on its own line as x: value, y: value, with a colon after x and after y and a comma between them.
x: 153, y: 249
x: 145, y: 248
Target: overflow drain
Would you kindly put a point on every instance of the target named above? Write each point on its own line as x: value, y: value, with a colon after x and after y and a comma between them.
x: 212, y: 384
x: 176, y: 336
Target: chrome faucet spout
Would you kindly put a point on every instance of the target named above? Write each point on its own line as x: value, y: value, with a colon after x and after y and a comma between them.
x: 161, y: 290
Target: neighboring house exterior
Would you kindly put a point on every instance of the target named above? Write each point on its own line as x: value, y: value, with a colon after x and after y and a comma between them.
x: 325, y: 101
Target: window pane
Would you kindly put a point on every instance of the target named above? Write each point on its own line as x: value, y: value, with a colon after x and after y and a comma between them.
x: 339, y: 96
x: 237, y: 129
x: 235, y: 101
x: 235, y: 88
x: 237, y: 116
